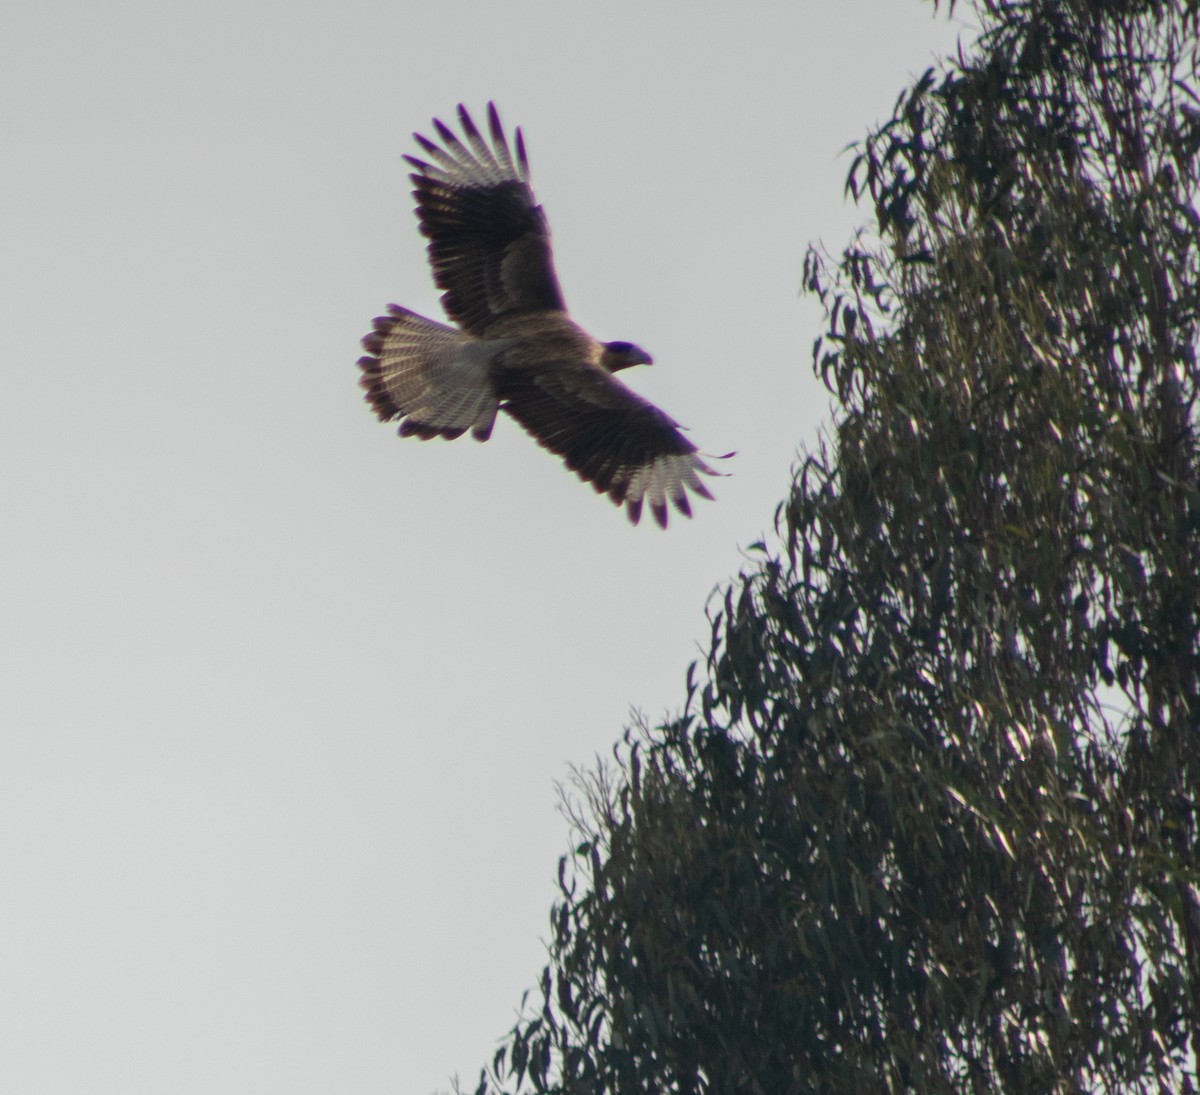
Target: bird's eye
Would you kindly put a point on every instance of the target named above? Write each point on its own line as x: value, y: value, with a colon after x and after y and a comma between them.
x: 619, y: 347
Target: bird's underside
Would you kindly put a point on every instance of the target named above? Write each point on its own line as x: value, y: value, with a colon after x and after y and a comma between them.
x: 514, y: 347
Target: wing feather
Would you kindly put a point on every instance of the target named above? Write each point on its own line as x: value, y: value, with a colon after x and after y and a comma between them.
x: 609, y: 436
x: 489, y: 243
x: 500, y: 141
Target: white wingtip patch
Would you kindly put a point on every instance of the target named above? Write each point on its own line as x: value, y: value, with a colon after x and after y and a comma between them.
x: 475, y: 163
x: 664, y: 482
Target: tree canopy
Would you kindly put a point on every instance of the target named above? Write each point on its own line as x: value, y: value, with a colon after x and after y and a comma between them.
x: 930, y: 818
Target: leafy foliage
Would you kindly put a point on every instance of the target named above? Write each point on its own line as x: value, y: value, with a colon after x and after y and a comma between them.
x: 930, y: 820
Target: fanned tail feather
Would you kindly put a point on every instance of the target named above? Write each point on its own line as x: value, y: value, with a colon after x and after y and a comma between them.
x: 429, y: 375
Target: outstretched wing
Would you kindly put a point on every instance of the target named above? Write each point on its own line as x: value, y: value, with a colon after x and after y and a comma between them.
x: 489, y: 243
x: 609, y: 436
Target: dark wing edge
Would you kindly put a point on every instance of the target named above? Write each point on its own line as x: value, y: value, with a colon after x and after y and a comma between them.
x: 489, y: 243
x: 612, y: 438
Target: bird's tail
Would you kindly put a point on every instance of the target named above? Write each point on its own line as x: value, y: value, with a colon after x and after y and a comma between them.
x: 433, y: 377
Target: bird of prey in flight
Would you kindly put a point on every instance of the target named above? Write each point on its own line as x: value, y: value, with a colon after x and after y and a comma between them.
x: 513, y: 346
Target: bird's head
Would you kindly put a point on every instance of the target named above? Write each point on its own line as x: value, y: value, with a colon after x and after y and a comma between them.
x: 621, y: 355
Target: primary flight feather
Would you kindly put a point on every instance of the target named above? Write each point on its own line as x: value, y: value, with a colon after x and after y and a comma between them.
x: 515, y: 348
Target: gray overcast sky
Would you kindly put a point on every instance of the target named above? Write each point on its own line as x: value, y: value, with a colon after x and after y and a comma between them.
x: 285, y: 698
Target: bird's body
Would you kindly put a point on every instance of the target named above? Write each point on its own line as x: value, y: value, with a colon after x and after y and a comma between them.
x: 515, y: 347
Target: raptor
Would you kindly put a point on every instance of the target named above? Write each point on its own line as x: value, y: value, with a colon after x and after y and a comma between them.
x: 513, y: 346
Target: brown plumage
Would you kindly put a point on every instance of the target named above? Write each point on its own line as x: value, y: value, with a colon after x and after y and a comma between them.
x: 514, y: 347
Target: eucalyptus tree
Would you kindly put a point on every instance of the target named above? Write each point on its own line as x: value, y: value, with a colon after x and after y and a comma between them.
x: 929, y: 820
